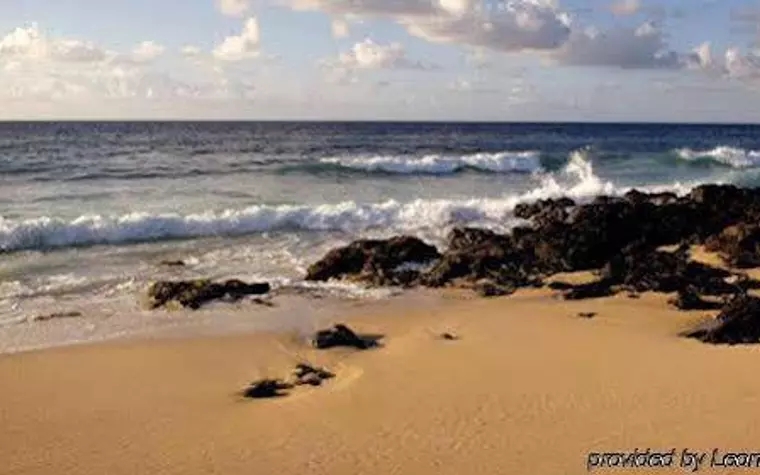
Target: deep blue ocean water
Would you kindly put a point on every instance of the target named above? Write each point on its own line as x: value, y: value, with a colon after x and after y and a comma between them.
x: 87, y: 210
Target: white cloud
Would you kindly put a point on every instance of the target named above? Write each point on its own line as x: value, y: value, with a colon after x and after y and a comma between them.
x: 731, y: 64
x: 340, y: 28
x: 370, y: 55
x: 234, y: 8
x: 456, y: 7
x: 29, y: 43
x: 147, y: 51
x: 626, y: 7
x: 190, y: 51
x: 511, y: 25
x: 741, y: 66
x: 51, y: 73
x: 517, y: 26
x: 242, y: 46
x: 702, y: 56
x: 629, y: 48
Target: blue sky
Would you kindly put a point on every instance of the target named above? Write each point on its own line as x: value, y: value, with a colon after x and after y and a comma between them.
x: 639, y: 60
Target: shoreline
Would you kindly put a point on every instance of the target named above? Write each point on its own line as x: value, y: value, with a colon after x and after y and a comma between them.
x: 289, y: 312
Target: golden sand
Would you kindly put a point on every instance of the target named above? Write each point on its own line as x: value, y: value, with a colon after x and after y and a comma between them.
x: 529, y: 388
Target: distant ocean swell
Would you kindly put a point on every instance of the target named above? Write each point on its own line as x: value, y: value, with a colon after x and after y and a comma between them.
x: 510, y: 162
x: 501, y: 162
x: 433, y: 164
x: 576, y: 179
x: 724, y: 155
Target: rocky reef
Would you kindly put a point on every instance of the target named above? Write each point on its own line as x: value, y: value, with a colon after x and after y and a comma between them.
x: 619, y: 238
x: 618, y: 235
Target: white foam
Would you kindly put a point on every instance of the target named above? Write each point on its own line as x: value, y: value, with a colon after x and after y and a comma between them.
x: 731, y: 156
x: 501, y: 162
x: 577, y: 180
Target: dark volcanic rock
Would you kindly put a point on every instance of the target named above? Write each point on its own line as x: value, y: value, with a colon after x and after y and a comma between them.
x: 689, y: 299
x: 266, y: 388
x: 462, y: 239
x: 196, y: 293
x: 341, y: 335
x: 738, y: 323
x: 641, y: 270
x: 738, y: 245
x: 593, y: 290
x: 561, y: 286
x: 376, y: 261
x: 313, y: 376
x: 719, y: 206
x: 638, y: 197
x: 619, y: 234
x: 489, y: 289
x: 176, y: 263
x: 545, y: 211
x: 479, y: 254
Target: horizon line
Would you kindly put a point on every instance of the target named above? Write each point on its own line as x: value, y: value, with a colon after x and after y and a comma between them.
x: 377, y: 121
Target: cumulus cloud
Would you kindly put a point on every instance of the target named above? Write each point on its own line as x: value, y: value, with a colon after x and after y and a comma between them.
x: 41, y: 70
x: 29, y: 43
x: 234, y: 8
x: 732, y: 63
x: 147, y: 51
x: 701, y: 57
x: 511, y: 25
x: 242, y: 46
x: 741, y: 66
x: 370, y: 55
x: 517, y: 26
x: 629, y: 48
x: 626, y: 7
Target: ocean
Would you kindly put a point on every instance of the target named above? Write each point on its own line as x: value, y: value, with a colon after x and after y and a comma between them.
x: 89, y: 210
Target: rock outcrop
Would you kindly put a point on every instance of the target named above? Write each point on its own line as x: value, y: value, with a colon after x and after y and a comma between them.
x: 379, y: 262
x: 738, y: 323
x: 738, y: 245
x: 341, y: 335
x: 196, y: 293
x: 618, y: 235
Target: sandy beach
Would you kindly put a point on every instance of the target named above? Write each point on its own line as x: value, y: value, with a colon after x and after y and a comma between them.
x: 529, y: 387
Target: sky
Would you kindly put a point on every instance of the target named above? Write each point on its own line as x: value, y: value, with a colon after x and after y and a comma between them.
x: 478, y: 60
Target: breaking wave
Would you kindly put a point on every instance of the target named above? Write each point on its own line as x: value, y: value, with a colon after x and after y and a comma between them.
x: 730, y: 156
x: 501, y: 162
x: 576, y: 180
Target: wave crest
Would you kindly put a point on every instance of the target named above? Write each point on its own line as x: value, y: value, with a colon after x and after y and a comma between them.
x: 501, y: 162
x: 730, y: 156
x: 577, y: 180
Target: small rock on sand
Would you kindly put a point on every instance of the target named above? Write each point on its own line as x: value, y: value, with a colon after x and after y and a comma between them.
x: 341, y: 335
x: 266, y: 388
